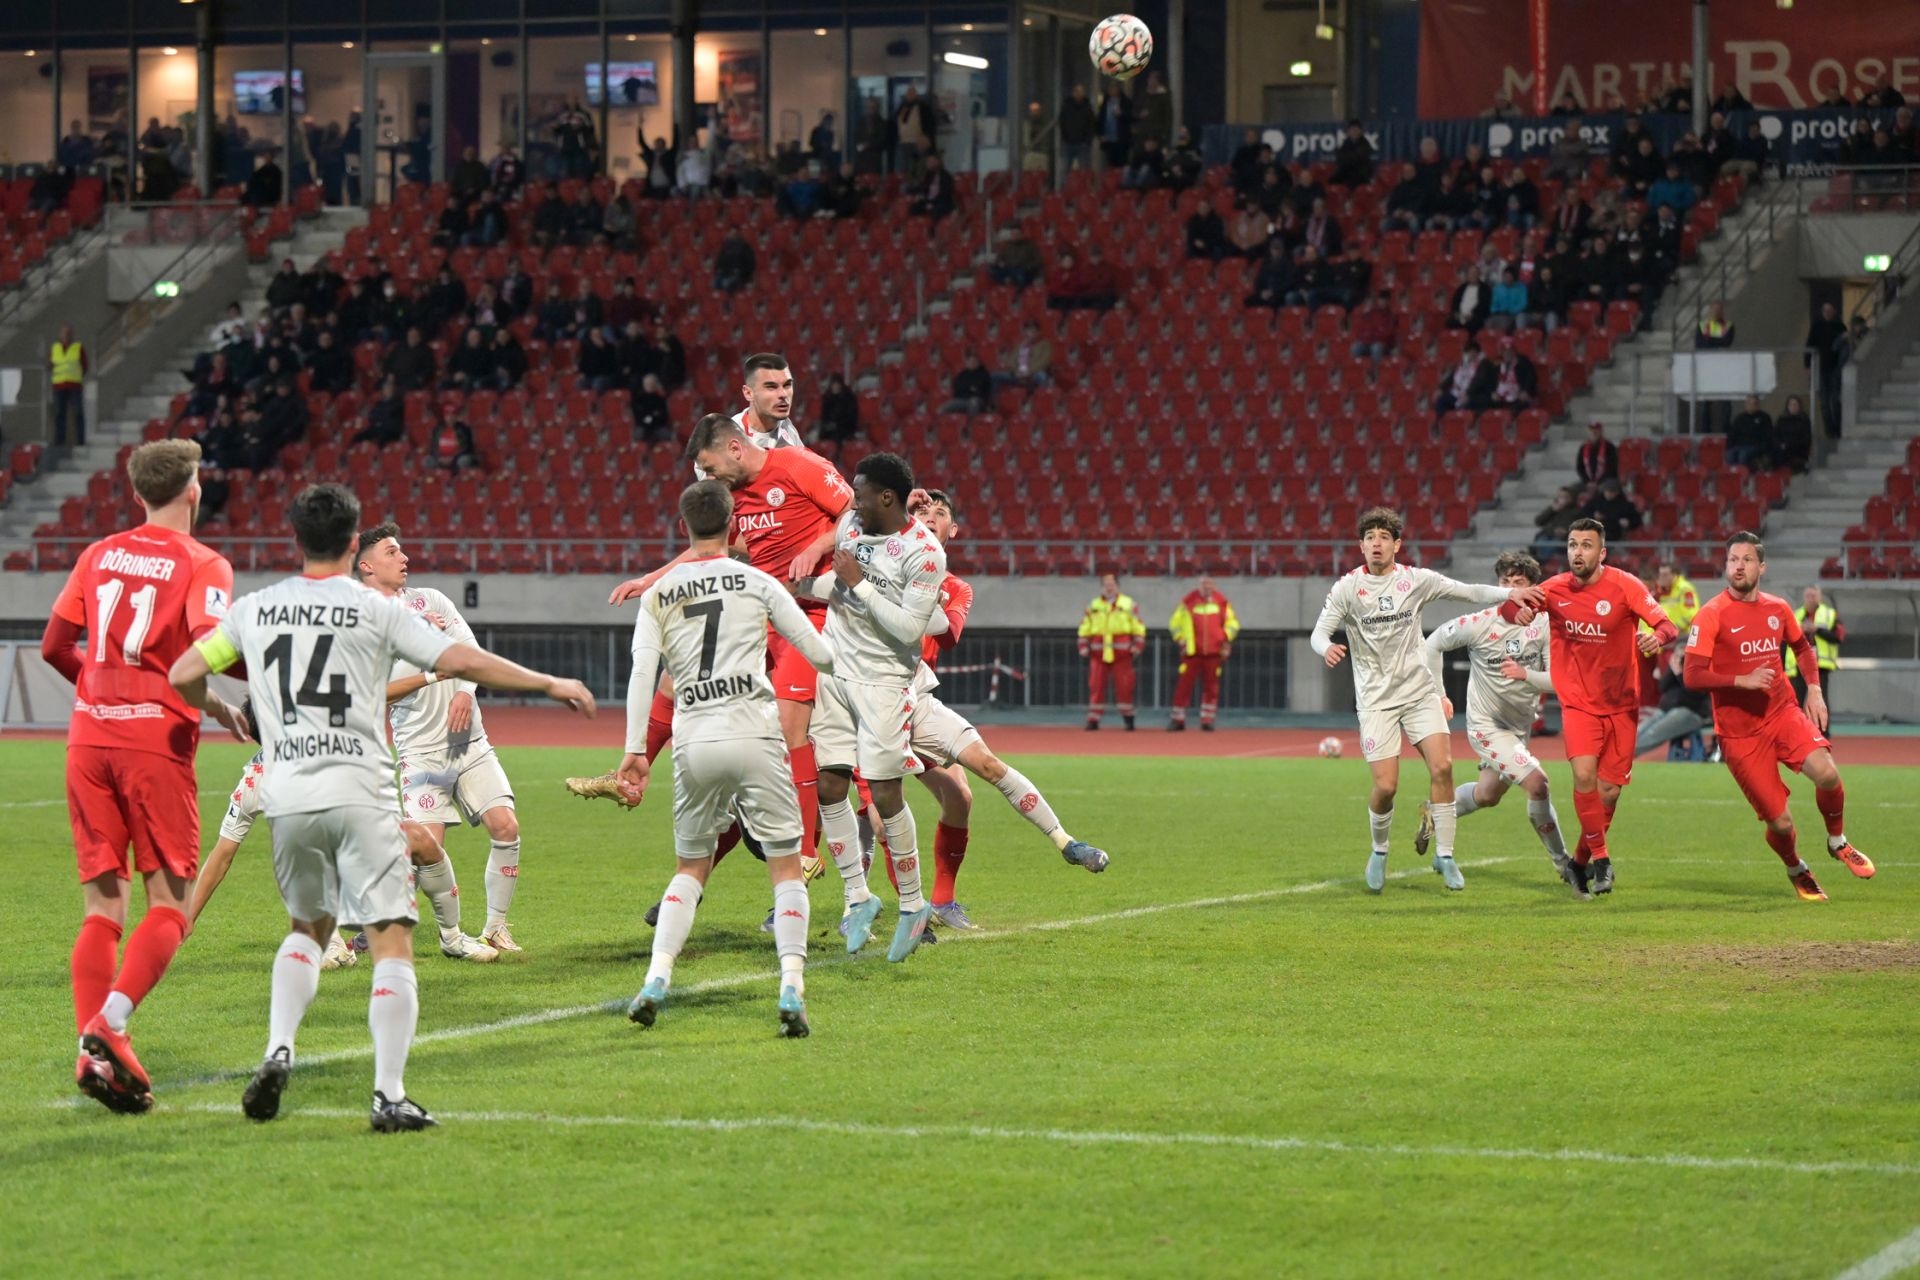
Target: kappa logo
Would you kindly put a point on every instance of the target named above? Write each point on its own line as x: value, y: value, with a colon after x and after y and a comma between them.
x: 673, y: 897
x: 382, y: 991
x: 1029, y: 802
x: 305, y: 959
x: 791, y: 913
x: 776, y: 496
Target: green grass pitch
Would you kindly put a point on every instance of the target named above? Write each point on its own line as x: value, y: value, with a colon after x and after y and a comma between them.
x: 1263, y: 1072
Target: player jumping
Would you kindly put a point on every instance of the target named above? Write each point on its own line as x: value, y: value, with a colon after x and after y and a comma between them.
x: 141, y: 597
x: 337, y: 850
x: 1594, y: 611
x: 1507, y: 647
x: 706, y: 619
x: 1379, y: 604
x: 1734, y: 651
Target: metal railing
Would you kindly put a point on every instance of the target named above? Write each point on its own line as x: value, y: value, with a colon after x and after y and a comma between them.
x: 39, y: 284
x: 1779, y: 207
x: 206, y: 232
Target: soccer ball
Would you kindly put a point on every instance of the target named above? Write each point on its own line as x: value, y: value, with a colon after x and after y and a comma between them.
x: 1330, y: 747
x: 1121, y: 46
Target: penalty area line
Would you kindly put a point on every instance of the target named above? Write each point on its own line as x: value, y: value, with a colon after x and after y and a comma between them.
x: 1902, y: 1255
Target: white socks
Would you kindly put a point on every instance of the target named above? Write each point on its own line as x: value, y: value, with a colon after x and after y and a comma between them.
x: 790, y: 932
x: 1031, y: 805
x: 903, y: 846
x: 1545, y: 821
x: 1378, y: 825
x: 676, y: 922
x: 1463, y: 801
x: 1833, y: 842
x: 296, y: 978
x: 1446, y: 820
x: 837, y: 824
x: 436, y: 881
x: 503, y: 873
x: 117, y: 1010
x: 392, y: 1014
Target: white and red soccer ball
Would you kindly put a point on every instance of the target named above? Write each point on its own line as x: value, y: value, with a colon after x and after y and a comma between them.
x: 1330, y: 747
x: 1121, y: 46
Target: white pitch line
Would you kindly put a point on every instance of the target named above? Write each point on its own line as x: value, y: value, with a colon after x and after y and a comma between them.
x: 1124, y: 1138
x: 62, y: 800
x: 1902, y: 1255
x: 541, y: 1016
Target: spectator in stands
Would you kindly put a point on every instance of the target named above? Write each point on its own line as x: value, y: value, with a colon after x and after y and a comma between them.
x: 450, y: 444
x: 1793, y: 436
x: 1502, y: 109
x: 514, y: 294
x: 584, y: 218
x: 1408, y: 203
x: 506, y: 174
x: 1715, y: 332
x: 1450, y: 205
x: 1078, y: 127
x: 265, y: 185
x: 509, y: 359
x: 839, y: 419
x: 77, y: 150
x: 329, y: 369
x: 801, y: 195
x: 1547, y: 297
x: 1673, y: 190
x: 1641, y: 167
x: 1430, y: 164
x: 270, y: 370
x: 1249, y: 231
x: 1696, y: 165
x: 1825, y: 337
x: 1520, y: 207
x: 1073, y: 287
x: 1566, y: 106
x: 933, y: 191
x: 1510, y: 309
x: 843, y: 194
x: 1513, y: 383
x: 1489, y: 199
x: 554, y: 320
x: 216, y: 383
x: 223, y: 446
x: 1017, y: 261
x: 734, y: 265
x: 416, y: 163
x: 1554, y: 523
x: 1243, y: 167
x: 1272, y: 278
x: 1153, y: 113
x: 1321, y: 231
x: 453, y: 225
x: 469, y: 177
x: 392, y: 312
x: 1147, y: 167
x: 1729, y: 99
x: 1207, y: 234
x: 1567, y: 160
x: 1667, y: 239
x: 662, y: 160
x: 1598, y: 459
x: 1471, y: 302
x: 1614, y: 509
x: 1570, y: 215
x: 356, y: 314
x: 1459, y: 380
x: 285, y: 288
x: 1682, y: 712
x: 1750, y: 437
x: 550, y: 220
x: 1638, y: 279
x: 446, y: 299
x: 597, y: 363
x: 50, y: 189
x: 471, y: 365
x: 1353, y: 159
x: 652, y: 417
x: 1271, y: 198
x: 1303, y: 189
x: 1184, y: 162
x: 1313, y: 284
x: 914, y: 130
x: 411, y: 364
x: 1116, y: 126
x: 1592, y: 277
x: 1676, y: 97
x: 1027, y: 364
x: 618, y: 224
x: 820, y: 143
x: 386, y: 417
x: 1376, y: 328
x: 487, y: 223
x: 573, y: 131
x: 667, y: 358
x: 972, y: 389
x: 625, y: 308
x: 1883, y: 96
x: 1626, y: 144
x: 279, y: 422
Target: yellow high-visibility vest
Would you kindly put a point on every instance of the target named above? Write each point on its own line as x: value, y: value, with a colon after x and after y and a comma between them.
x: 66, y: 363
x: 1828, y: 650
x: 1108, y: 622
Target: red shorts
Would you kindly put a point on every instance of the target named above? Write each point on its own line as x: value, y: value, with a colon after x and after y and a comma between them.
x: 1755, y: 760
x: 793, y: 677
x: 121, y: 798
x: 1609, y: 738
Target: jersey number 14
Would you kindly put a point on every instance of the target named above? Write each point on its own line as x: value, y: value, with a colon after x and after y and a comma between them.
x: 336, y: 699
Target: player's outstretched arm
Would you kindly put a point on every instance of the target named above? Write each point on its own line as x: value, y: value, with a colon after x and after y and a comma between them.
x: 189, y: 676
x: 212, y: 872
x: 634, y: 588
x: 1542, y: 681
x: 464, y: 661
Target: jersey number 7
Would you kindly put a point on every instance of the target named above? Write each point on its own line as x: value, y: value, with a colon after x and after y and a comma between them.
x: 708, y: 611
x: 336, y: 699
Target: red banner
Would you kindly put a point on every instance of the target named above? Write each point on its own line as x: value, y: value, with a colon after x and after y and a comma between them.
x: 1612, y: 54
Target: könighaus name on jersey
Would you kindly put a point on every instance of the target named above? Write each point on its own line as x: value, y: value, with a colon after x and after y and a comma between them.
x: 306, y: 746
x: 307, y: 615
x: 693, y: 588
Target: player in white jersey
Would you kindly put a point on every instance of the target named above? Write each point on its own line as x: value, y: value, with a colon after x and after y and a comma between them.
x: 1501, y: 708
x: 448, y: 769
x: 318, y: 650
x: 881, y: 597
x: 1378, y: 605
x: 706, y: 622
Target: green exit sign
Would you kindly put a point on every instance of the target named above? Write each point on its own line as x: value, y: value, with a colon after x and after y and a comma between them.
x: 1879, y: 262
x: 166, y: 288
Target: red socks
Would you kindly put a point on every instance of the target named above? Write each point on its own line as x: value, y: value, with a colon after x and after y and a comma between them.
x: 659, y: 725
x: 1592, y: 811
x: 1784, y: 844
x: 1833, y: 807
x: 806, y: 781
x: 728, y: 838
x: 95, y: 953
x: 949, y: 851
x: 149, y: 952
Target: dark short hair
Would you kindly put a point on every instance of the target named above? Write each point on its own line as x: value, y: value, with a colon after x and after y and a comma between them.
x: 706, y: 506
x: 764, y: 360
x: 1511, y: 562
x: 1382, y: 518
x: 371, y: 538
x: 945, y: 499
x: 1744, y: 538
x: 326, y: 519
x: 1587, y: 524
x: 887, y: 472
x: 713, y: 430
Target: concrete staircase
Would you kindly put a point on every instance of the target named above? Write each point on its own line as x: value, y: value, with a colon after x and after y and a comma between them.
x: 67, y: 472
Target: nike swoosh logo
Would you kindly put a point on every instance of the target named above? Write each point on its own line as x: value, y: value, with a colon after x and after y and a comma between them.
x: 1736, y: 630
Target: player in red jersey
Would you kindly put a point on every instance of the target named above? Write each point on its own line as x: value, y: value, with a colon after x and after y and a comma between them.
x: 1734, y: 652
x: 141, y: 597
x: 1594, y: 610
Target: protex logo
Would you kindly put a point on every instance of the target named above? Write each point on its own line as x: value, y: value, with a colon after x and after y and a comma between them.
x: 1312, y: 142
x: 1502, y: 136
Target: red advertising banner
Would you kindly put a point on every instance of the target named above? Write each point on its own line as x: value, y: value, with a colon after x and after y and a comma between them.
x: 1612, y: 54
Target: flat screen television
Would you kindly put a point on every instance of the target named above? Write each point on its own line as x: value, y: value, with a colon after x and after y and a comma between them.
x: 259, y: 93
x: 635, y: 84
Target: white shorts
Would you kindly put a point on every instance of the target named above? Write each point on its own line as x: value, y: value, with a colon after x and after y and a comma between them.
x: 248, y: 801
x: 478, y: 784
x: 1381, y: 731
x: 1504, y: 752
x: 349, y: 863
x: 940, y: 733
x: 868, y: 727
x: 708, y: 777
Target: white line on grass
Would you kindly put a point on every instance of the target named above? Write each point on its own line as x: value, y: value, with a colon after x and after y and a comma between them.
x: 1124, y: 1138
x: 1902, y: 1255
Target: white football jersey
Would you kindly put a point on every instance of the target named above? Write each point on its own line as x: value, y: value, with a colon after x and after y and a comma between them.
x: 783, y: 436
x: 707, y: 620
x: 1385, y: 643
x: 1495, y: 703
x: 419, y: 720
x: 877, y: 636
x: 319, y: 652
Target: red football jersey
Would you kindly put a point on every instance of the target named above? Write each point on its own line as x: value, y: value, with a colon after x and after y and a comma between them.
x: 794, y: 501
x: 956, y: 601
x: 142, y: 596
x: 1595, y: 661
x: 1734, y: 637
